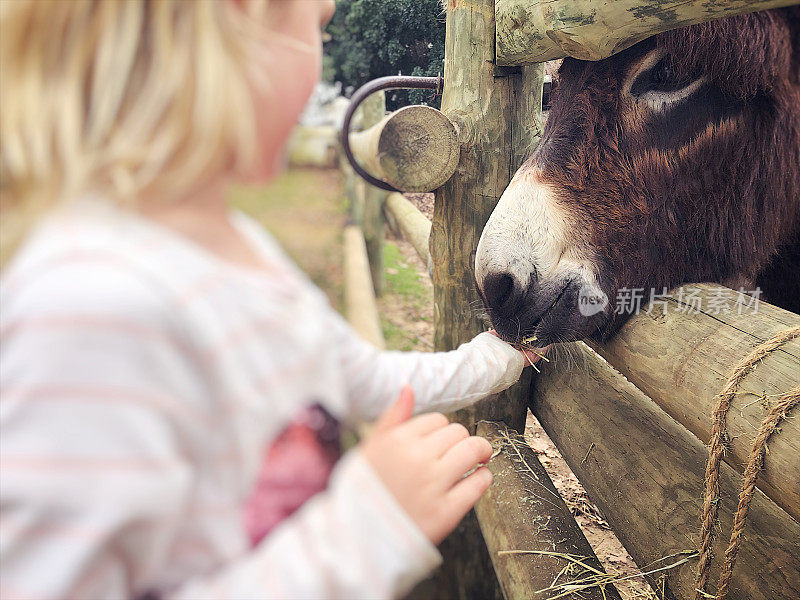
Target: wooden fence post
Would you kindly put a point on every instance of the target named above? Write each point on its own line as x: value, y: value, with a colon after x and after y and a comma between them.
x: 413, y: 225
x: 353, y: 192
x: 415, y: 149
x: 360, y: 307
x: 372, y: 111
x: 498, y: 115
x: 494, y: 115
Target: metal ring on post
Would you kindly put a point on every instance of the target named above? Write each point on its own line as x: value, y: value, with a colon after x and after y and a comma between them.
x: 376, y: 85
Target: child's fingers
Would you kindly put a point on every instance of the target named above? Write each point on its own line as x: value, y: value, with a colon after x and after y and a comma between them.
x: 530, y: 357
x: 424, y: 424
x: 468, y: 491
x: 534, y: 355
x: 464, y: 456
x: 399, y: 412
x: 441, y: 440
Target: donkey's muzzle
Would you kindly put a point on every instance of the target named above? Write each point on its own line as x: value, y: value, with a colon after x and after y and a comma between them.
x: 551, y: 311
x: 503, y: 295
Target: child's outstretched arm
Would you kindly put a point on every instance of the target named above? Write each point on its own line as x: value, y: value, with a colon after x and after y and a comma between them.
x: 442, y: 381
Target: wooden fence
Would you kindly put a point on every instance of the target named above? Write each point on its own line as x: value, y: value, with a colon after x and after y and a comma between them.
x: 522, y: 487
x: 632, y: 419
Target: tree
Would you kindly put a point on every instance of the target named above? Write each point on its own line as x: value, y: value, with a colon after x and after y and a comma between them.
x: 373, y: 38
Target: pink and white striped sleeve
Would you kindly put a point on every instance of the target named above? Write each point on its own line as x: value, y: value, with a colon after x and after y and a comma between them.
x: 442, y: 381
x: 96, y: 468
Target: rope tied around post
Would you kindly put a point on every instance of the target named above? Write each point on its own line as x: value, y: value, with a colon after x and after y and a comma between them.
x: 755, y: 463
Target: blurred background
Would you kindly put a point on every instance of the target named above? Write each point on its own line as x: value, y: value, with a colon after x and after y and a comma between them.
x: 307, y: 207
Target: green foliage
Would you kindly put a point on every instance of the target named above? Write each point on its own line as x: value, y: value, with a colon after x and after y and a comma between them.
x: 374, y: 38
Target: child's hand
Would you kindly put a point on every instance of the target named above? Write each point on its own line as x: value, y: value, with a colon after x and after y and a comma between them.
x: 422, y: 462
x: 530, y: 355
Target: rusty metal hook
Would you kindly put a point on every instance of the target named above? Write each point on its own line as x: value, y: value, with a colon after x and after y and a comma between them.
x: 382, y: 83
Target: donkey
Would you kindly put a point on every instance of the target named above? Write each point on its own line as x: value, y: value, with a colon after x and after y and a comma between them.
x: 675, y: 161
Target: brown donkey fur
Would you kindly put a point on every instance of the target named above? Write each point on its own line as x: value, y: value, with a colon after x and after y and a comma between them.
x: 707, y: 189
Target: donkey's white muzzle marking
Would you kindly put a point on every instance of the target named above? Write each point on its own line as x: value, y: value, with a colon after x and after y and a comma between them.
x: 531, y: 237
x: 525, y: 236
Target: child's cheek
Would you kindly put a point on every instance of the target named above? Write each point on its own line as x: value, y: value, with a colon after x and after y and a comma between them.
x: 293, y: 74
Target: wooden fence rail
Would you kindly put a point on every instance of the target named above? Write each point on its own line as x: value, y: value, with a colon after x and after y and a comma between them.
x: 646, y: 473
x: 415, y: 226
x: 532, y: 31
x: 681, y: 355
x: 526, y: 523
x: 361, y: 308
x: 415, y: 149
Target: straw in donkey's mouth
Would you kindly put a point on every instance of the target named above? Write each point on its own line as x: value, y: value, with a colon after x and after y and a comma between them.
x: 526, y: 346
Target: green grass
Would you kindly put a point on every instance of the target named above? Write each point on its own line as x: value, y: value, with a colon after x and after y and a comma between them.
x: 397, y: 338
x: 305, y: 210
x: 406, y: 292
x: 401, y: 277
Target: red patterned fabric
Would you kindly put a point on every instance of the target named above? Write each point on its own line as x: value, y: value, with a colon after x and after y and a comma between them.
x: 296, y: 466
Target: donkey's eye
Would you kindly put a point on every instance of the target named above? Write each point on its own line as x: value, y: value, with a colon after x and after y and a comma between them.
x: 661, y: 78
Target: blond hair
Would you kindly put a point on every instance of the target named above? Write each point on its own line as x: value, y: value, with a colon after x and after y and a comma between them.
x: 121, y: 98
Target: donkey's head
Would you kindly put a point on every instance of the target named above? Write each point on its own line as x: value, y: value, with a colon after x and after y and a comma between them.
x: 677, y: 160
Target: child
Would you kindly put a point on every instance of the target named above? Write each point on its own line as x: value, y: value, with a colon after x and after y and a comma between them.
x: 153, y: 343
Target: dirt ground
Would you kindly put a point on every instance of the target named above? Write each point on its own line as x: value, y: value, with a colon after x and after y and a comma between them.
x: 305, y: 211
x: 609, y: 550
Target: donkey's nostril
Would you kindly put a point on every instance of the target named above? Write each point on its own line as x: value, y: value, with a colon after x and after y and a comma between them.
x: 499, y: 289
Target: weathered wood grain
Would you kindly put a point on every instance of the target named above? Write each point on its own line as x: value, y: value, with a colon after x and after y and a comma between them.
x: 491, y: 120
x: 414, y: 226
x: 523, y: 511
x: 532, y: 31
x: 370, y: 112
x: 415, y: 149
x: 682, y: 359
x: 360, y: 305
x: 645, y: 471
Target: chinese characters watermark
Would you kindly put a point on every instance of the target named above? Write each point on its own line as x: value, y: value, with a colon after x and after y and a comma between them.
x: 687, y: 300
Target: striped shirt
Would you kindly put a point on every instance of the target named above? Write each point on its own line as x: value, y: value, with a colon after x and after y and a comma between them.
x: 142, y: 376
